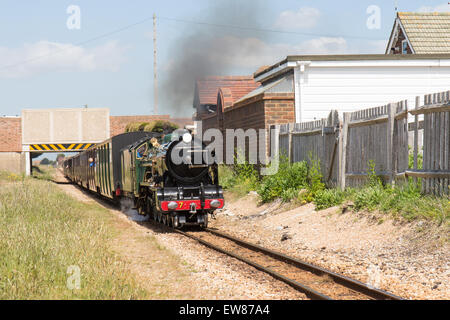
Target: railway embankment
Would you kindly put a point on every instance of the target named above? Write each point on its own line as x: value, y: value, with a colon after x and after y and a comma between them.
x: 410, y: 258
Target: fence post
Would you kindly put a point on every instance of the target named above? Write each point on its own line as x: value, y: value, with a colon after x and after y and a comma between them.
x: 343, y: 150
x: 290, y: 145
x: 416, y: 137
x: 390, y: 143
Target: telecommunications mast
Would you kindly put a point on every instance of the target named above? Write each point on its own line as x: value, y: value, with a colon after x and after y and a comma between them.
x: 155, y: 75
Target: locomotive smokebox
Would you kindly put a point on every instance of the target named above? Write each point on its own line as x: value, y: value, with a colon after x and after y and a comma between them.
x: 187, y: 159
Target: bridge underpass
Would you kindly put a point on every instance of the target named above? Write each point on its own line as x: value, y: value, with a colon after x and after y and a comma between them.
x: 62, y: 131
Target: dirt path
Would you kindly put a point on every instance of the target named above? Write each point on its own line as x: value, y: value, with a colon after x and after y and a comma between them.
x: 171, y: 266
x: 409, y: 259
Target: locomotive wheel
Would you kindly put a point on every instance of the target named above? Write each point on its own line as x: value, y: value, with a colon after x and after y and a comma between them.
x: 149, y: 209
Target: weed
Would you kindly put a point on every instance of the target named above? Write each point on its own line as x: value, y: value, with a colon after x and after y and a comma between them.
x: 286, y: 183
x: 328, y: 198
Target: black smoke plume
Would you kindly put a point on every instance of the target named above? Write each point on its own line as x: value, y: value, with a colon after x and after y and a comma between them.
x: 199, y: 51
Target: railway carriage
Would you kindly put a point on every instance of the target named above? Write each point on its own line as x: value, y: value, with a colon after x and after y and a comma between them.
x: 98, y: 169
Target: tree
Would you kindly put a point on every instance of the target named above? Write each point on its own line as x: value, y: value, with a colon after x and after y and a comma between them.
x: 45, y: 161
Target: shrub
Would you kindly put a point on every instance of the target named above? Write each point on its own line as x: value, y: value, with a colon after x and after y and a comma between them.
x: 160, y: 126
x: 369, y: 197
x: 328, y: 198
x: 374, y: 179
x: 315, y: 176
x: 286, y: 183
x: 135, y: 126
x: 227, y: 178
x: 153, y: 126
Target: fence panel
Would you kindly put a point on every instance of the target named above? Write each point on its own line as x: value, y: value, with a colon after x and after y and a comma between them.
x: 316, y: 140
x: 284, y: 140
x: 376, y: 135
x: 436, y: 145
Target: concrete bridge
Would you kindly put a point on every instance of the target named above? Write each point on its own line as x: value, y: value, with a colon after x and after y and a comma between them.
x: 61, y: 131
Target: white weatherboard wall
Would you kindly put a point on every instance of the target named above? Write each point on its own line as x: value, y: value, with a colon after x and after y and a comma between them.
x: 321, y: 86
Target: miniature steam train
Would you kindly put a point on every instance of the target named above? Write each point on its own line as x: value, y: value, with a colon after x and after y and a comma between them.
x: 140, y: 166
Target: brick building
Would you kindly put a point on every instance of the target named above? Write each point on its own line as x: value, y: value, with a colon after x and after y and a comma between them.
x: 244, y: 104
x: 420, y: 33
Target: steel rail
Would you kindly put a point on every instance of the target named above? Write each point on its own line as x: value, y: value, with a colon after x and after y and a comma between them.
x: 311, y: 293
x: 338, y: 278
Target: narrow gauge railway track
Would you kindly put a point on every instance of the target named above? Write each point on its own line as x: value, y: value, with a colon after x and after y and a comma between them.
x: 316, y: 282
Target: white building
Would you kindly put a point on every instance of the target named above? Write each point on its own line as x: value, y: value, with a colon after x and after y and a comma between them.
x: 353, y: 82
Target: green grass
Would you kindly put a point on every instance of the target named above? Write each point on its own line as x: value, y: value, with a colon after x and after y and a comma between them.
x: 43, y: 172
x: 403, y: 200
x: 43, y: 232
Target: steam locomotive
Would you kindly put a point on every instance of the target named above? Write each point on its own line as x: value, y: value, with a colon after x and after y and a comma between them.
x: 173, y: 178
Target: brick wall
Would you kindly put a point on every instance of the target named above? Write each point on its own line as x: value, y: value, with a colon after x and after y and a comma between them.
x: 260, y: 113
x: 279, y: 109
x: 210, y: 121
x: 10, y: 135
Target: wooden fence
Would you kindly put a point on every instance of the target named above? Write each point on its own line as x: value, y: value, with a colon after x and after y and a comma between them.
x: 435, y: 173
x: 379, y: 135
x: 346, y: 147
x: 315, y: 140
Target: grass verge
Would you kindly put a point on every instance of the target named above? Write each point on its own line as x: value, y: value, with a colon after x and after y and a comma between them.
x: 45, y: 235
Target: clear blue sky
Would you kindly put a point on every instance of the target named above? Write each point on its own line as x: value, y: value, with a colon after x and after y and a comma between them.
x: 43, y: 64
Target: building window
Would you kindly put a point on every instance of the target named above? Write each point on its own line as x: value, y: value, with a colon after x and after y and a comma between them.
x: 404, y: 47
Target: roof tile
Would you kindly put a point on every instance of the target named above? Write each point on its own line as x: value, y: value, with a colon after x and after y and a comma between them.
x: 208, y: 88
x: 427, y: 32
